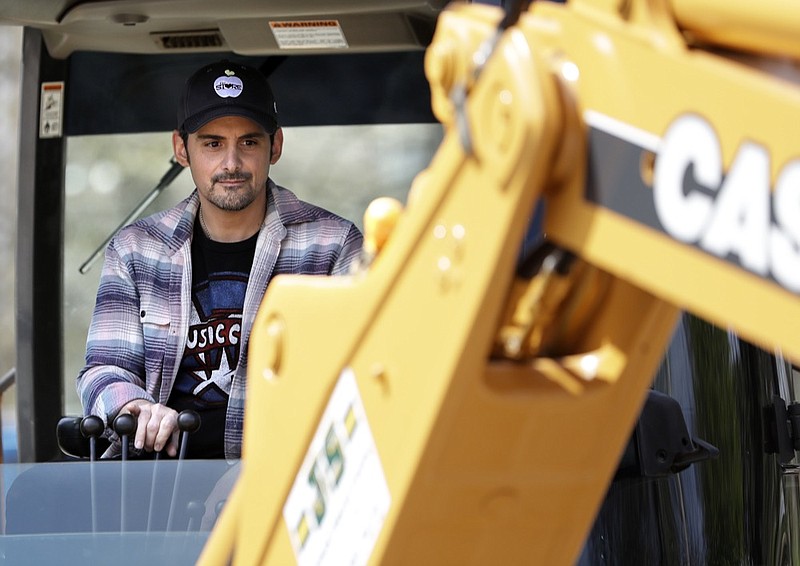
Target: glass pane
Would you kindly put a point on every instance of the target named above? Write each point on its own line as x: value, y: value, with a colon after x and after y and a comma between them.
x: 135, y: 512
x: 340, y: 168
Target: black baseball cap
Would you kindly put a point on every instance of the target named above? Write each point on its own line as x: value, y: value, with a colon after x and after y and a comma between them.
x: 227, y: 89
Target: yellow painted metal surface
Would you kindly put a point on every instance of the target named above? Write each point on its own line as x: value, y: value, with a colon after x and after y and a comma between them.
x: 499, y: 405
x: 772, y: 28
x: 655, y: 82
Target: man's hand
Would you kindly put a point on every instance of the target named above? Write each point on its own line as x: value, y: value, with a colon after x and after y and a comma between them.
x: 156, y: 426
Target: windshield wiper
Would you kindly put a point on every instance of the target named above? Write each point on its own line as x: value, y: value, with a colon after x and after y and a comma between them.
x: 174, y: 170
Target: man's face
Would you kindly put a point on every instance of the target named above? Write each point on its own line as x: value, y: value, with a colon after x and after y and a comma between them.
x: 229, y: 159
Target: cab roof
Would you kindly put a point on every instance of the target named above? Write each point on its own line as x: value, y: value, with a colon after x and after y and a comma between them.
x: 331, y: 62
x: 244, y: 27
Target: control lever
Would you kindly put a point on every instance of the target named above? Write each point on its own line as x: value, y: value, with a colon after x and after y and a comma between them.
x: 124, y: 425
x: 188, y: 423
x: 92, y: 427
x: 196, y: 510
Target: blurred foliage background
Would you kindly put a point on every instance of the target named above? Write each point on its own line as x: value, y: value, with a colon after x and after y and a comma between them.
x: 10, y: 56
x: 10, y: 63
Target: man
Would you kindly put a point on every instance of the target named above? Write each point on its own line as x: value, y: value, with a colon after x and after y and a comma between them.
x: 180, y: 289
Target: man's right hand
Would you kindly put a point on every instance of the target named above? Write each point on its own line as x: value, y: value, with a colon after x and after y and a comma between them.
x: 156, y: 426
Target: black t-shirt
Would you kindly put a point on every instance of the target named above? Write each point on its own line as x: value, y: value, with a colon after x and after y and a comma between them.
x: 219, y: 279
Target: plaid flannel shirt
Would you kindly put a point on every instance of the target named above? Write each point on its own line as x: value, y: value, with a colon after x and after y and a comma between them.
x: 139, y: 327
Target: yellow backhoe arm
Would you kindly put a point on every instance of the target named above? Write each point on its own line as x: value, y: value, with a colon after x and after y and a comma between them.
x: 443, y: 406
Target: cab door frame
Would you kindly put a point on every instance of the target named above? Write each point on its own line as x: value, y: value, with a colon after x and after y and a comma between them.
x: 39, y: 261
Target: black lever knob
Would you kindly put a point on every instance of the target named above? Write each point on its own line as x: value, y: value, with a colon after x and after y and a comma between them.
x: 218, y: 507
x: 125, y: 424
x: 91, y: 426
x: 195, y: 510
x: 189, y: 421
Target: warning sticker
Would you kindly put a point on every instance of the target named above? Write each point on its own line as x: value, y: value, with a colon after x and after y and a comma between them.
x: 309, y: 34
x: 339, y: 500
x: 51, y: 110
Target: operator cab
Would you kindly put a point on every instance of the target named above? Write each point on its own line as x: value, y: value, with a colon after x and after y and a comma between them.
x: 99, y: 99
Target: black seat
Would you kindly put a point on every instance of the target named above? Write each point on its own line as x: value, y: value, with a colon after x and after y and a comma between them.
x: 72, y: 442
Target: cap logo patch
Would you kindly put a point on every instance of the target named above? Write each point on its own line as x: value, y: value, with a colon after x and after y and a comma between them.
x: 228, y: 86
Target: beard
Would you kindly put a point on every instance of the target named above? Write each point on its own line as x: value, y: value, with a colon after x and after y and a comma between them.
x: 235, y: 198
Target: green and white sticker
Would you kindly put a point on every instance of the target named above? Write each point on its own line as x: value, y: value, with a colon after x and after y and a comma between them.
x: 339, y: 500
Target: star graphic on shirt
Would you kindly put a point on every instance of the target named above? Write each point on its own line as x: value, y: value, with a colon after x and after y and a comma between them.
x: 211, y: 382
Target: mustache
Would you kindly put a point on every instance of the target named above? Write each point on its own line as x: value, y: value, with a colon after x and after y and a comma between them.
x: 235, y: 176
